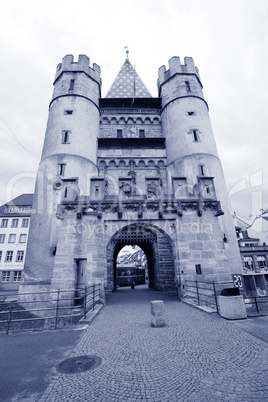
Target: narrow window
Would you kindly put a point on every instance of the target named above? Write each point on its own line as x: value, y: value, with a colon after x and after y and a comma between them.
x: 195, y: 136
x: 9, y: 256
x: 201, y: 170
x: 22, y: 238
x: 14, y: 223
x: 2, y: 238
x: 5, y: 276
x: 61, y: 169
x: 25, y: 223
x: 68, y: 111
x: 20, y: 255
x: 119, y: 133
x: 198, y: 269
x: 65, y: 192
x: 207, y: 189
x: 71, y: 85
x: 65, y: 137
x: 187, y: 84
x: 4, y: 223
x: 17, y: 276
x: 0, y: 256
x: 12, y: 238
x: 142, y: 133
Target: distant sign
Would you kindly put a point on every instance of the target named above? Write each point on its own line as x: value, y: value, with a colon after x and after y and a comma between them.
x: 238, y: 281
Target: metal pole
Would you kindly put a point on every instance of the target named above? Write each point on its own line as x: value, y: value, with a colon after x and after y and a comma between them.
x: 93, y: 298
x: 257, y: 307
x: 85, y: 303
x: 215, y: 295
x: 57, y: 308
x: 9, y: 318
x: 197, y: 293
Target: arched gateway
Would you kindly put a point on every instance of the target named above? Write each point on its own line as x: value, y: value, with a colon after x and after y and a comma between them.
x: 157, y: 247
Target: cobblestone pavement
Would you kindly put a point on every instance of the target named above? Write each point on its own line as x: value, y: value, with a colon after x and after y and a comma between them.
x: 195, y: 357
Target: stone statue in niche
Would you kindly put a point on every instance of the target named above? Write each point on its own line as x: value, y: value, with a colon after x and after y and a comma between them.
x: 152, y: 189
x: 126, y: 189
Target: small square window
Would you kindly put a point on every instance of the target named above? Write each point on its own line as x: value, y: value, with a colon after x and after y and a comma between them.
x: 61, y: 169
x: 201, y: 169
x: 187, y: 85
x: 12, y: 238
x: 25, y: 223
x: 14, y: 223
x: 142, y: 133
x: 2, y: 238
x: 119, y: 133
x: 195, y: 136
x: 4, y: 223
x: 65, y: 137
x: 71, y: 85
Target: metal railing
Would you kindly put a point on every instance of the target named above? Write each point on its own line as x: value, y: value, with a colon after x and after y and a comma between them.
x: 256, y: 305
x: 205, y: 293
x: 47, y: 309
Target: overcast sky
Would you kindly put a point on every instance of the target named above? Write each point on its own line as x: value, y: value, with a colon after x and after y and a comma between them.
x: 227, y: 39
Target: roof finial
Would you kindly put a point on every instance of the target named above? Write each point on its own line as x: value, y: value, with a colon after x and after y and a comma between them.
x: 127, y: 52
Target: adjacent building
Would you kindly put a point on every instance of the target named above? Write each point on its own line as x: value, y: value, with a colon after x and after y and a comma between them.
x: 254, y: 258
x: 14, y: 227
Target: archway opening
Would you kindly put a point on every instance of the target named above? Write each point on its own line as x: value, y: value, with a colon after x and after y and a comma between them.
x: 131, y: 267
x: 134, y: 265
x: 157, y: 247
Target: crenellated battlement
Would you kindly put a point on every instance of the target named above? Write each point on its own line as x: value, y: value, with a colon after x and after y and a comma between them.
x: 175, y: 67
x: 83, y: 64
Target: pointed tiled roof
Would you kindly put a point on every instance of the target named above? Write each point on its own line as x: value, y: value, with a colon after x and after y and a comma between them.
x: 128, y: 84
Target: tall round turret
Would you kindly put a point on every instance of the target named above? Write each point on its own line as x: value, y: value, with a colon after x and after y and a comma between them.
x: 190, y: 143
x: 68, y: 159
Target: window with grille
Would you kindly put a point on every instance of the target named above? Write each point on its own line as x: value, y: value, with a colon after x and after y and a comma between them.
x: 9, y: 256
x: 5, y: 276
x: 2, y: 238
x: 20, y: 255
x: 17, y: 276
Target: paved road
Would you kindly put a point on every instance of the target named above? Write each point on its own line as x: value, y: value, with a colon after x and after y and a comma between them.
x: 28, y: 361
x: 195, y: 357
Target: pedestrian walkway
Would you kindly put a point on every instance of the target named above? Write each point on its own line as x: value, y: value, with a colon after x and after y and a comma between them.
x: 195, y: 357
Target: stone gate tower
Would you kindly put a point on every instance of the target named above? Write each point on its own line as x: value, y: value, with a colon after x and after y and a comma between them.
x: 129, y: 169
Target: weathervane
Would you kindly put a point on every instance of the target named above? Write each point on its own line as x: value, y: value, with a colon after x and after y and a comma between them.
x: 127, y: 52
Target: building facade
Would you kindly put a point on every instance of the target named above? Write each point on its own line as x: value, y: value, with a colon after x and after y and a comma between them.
x: 129, y: 169
x: 14, y: 226
x: 254, y: 258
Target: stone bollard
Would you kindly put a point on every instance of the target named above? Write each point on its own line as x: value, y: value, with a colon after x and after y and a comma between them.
x: 157, y: 314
